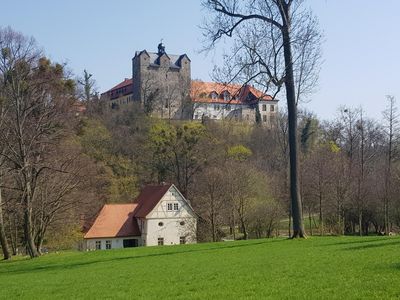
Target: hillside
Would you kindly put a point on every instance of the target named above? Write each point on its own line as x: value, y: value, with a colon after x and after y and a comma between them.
x: 317, y: 268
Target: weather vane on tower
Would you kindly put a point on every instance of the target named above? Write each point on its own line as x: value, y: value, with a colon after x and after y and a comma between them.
x: 161, y: 48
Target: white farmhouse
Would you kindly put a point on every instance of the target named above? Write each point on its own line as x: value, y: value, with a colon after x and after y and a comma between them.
x: 159, y: 216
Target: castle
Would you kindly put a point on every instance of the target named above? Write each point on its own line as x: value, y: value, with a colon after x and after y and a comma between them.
x: 162, y: 84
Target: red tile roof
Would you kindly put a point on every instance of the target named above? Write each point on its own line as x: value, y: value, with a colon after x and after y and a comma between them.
x: 148, y: 199
x: 201, y: 92
x: 114, y: 220
x: 122, y: 84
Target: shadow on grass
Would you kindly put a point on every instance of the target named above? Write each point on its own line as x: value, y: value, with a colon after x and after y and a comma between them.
x: 383, y: 243
x: 396, y: 266
x: 71, y: 265
x: 362, y: 240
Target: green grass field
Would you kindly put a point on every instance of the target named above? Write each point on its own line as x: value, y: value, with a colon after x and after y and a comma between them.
x: 316, y: 268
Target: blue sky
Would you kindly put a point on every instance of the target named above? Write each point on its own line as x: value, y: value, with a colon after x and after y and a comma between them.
x: 361, y: 61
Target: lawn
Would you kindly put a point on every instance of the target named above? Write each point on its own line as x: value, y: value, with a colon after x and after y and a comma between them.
x: 316, y: 268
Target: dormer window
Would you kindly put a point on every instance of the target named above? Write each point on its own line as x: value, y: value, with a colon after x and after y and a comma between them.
x: 227, y: 96
x: 214, y: 95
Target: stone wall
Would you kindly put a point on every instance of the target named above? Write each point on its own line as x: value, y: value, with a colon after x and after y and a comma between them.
x: 161, y: 83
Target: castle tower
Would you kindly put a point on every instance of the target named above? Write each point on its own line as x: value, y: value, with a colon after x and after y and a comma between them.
x: 161, y: 82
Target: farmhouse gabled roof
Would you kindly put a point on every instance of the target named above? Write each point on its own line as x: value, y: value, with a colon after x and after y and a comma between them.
x: 114, y: 220
x: 148, y: 199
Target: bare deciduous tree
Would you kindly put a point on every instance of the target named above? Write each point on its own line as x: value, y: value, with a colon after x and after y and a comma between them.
x: 391, y: 118
x: 277, y: 45
x: 36, y: 99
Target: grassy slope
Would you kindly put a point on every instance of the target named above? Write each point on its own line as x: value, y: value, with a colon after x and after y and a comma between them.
x: 317, y: 268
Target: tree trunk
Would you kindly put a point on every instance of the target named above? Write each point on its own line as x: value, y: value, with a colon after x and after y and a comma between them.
x: 298, y: 227
x: 290, y: 221
x: 13, y: 233
x: 234, y: 226
x: 28, y: 227
x: 3, y: 238
x: 321, y: 221
x: 214, y: 238
x: 28, y: 233
x: 244, y: 229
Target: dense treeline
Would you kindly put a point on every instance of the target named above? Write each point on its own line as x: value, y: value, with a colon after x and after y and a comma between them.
x: 59, y: 165
x: 236, y: 175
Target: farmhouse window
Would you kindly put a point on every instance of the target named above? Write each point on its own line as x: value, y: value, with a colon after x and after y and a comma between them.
x: 98, y: 245
x: 108, y: 244
x: 176, y: 206
x: 182, y: 240
x: 169, y: 206
x: 264, y: 107
x: 160, y: 241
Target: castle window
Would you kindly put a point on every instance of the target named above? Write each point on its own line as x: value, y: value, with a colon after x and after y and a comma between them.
x: 182, y: 240
x: 271, y: 108
x: 176, y: 206
x: 264, y: 118
x: 264, y: 107
x: 227, y: 96
x: 160, y: 241
x: 161, y: 224
x: 182, y: 223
